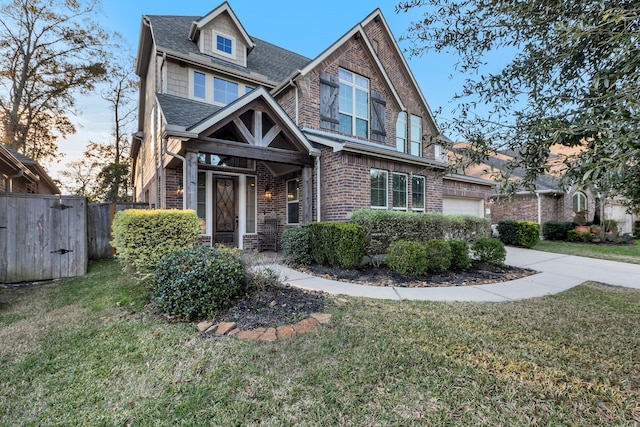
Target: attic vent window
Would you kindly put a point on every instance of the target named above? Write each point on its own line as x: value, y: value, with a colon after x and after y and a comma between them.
x: 224, y: 44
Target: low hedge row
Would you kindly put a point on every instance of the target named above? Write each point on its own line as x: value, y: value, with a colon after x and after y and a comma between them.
x: 519, y: 233
x: 383, y: 227
x: 556, y: 230
x: 337, y: 243
x: 143, y: 237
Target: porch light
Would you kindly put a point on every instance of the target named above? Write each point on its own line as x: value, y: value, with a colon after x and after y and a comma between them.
x: 267, y: 193
x: 180, y: 190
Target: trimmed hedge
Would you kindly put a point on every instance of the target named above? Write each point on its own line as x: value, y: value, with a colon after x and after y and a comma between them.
x: 556, y: 230
x: 142, y: 237
x: 296, y: 246
x: 382, y: 227
x: 519, y: 233
x: 407, y: 257
x: 337, y: 243
x: 489, y: 251
x: 438, y: 255
x: 460, y: 259
x: 195, y: 283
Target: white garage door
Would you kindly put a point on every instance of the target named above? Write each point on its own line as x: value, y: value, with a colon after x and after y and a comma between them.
x: 454, y: 206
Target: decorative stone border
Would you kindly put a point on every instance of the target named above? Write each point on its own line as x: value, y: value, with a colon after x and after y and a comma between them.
x: 229, y: 329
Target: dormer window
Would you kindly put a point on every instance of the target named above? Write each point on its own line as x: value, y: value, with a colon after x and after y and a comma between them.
x: 224, y: 44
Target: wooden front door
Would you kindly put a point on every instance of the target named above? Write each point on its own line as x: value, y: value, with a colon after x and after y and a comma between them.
x: 225, y: 210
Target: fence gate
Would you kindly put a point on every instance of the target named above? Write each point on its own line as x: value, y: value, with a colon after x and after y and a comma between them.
x: 42, y: 237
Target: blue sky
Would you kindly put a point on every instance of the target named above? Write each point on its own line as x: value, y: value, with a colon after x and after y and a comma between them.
x: 304, y: 27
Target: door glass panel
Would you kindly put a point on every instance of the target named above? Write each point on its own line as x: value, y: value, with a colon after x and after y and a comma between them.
x: 225, y: 205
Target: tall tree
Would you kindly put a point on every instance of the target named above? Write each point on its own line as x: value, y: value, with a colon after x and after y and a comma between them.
x: 572, y: 78
x: 49, y: 51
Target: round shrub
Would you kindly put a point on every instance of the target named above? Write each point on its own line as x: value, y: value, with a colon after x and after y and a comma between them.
x: 572, y: 236
x: 296, y: 245
x: 460, y: 259
x: 407, y: 257
x: 586, y: 236
x: 438, y: 255
x: 489, y: 251
x: 195, y: 283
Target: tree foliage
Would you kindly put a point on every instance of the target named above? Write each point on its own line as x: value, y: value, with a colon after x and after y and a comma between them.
x: 49, y: 51
x: 571, y: 79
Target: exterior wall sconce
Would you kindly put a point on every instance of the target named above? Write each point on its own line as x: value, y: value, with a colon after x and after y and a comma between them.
x: 180, y: 190
x: 267, y: 193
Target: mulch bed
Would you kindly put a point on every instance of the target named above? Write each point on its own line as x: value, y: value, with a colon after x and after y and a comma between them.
x: 476, y: 275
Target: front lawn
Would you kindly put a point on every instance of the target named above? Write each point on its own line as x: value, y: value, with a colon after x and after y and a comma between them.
x: 86, y: 352
x: 623, y: 253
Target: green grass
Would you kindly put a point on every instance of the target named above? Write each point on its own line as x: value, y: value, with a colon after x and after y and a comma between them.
x: 86, y: 352
x: 623, y: 253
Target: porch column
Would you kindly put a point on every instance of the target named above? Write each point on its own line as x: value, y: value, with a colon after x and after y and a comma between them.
x: 191, y: 185
x: 307, y: 195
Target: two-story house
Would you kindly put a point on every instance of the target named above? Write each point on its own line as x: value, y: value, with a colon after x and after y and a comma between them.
x: 241, y: 130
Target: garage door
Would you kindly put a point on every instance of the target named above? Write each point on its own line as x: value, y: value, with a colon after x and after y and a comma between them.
x: 455, y: 206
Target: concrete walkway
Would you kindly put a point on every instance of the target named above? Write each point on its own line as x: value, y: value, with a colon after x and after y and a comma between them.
x: 557, y: 273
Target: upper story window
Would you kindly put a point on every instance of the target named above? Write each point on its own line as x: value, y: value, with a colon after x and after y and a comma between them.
x: 224, y: 91
x: 401, y: 132
x: 199, y: 85
x: 379, y: 184
x: 354, y: 104
x: 416, y: 135
x: 224, y: 44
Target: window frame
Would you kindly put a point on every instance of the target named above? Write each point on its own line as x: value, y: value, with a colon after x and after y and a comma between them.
x: 194, y: 84
x: 579, y: 195
x: 415, y: 142
x: 293, y: 201
x: 386, y: 188
x: 227, y: 93
x: 423, y: 193
x: 354, y: 89
x: 231, y: 39
x: 401, y: 125
x: 404, y: 192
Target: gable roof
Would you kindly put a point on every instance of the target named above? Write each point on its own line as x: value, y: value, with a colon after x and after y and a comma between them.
x: 196, y: 26
x: 184, y: 112
x: 31, y: 169
x: 170, y: 35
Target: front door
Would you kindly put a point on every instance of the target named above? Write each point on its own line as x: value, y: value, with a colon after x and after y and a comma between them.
x: 225, y: 210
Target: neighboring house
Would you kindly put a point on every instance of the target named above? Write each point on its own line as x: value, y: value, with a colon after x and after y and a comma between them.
x: 21, y: 174
x: 242, y: 131
x: 548, y: 202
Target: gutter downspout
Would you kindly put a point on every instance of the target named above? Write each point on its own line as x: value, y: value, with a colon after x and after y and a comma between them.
x: 318, y: 186
x: 184, y: 171
x: 11, y: 178
x: 539, y: 211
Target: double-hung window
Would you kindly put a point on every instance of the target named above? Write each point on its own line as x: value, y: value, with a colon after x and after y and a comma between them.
x: 399, y: 191
x: 224, y: 91
x: 416, y: 135
x: 417, y: 193
x: 354, y: 104
x: 293, y: 202
x: 379, y: 184
x: 401, y: 132
x: 199, y: 85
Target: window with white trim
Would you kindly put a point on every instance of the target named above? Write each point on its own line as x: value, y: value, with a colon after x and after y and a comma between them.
x: 202, y: 201
x: 379, y: 185
x: 251, y: 204
x: 401, y: 132
x: 353, y: 104
x: 199, y: 85
x: 224, y: 91
x: 416, y: 135
x: 417, y: 193
x: 399, y: 190
x: 223, y: 44
x: 579, y: 202
x: 293, y: 202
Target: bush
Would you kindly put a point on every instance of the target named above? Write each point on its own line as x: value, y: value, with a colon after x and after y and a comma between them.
x: 143, y: 237
x: 460, y: 259
x: 382, y: 227
x: 556, y: 230
x: 489, y: 251
x: 586, y: 237
x: 195, y: 283
x: 610, y: 225
x: 407, y: 257
x: 438, y: 255
x: 337, y: 243
x: 296, y: 245
x: 519, y: 233
x: 572, y: 235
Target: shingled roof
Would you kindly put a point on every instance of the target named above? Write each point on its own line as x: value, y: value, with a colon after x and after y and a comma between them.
x: 171, y: 32
x: 184, y: 112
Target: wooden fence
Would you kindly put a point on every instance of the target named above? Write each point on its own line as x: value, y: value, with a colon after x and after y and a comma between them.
x: 42, y: 237
x: 100, y: 217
